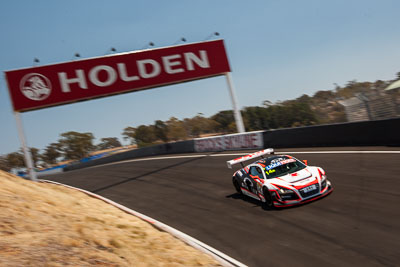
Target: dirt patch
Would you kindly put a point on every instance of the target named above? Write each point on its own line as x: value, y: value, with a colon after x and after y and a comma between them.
x: 49, y: 225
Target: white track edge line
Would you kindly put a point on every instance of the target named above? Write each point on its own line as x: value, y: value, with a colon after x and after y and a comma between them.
x: 222, y: 258
x: 315, y: 152
x: 344, y: 152
x: 240, y: 154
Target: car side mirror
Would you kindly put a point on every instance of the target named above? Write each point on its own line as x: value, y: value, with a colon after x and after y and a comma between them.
x: 305, y: 161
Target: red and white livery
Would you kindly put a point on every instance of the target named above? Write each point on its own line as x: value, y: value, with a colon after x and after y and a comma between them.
x: 279, y: 180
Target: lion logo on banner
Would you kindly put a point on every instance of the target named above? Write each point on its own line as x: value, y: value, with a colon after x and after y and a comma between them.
x: 35, y: 86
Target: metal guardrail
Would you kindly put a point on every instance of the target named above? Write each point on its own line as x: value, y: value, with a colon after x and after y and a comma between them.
x: 364, y: 133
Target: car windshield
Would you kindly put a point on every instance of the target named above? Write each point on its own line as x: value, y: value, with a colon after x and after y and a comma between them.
x: 283, y: 167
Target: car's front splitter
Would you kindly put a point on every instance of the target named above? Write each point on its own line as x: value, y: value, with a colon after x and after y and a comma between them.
x: 296, y: 203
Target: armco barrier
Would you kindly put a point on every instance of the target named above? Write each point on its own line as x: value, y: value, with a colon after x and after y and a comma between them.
x: 50, y: 172
x: 365, y: 133
x: 162, y: 149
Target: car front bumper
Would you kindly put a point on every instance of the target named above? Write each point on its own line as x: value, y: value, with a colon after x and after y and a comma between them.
x: 289, y: 203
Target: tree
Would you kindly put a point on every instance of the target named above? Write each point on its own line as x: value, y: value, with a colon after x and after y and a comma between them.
x: 51, y: 154
x: 176, y: 129
x: 144, y: 135
x: 108, y: 142
x: 323, y: 96
x: 35, y: 156
x: 267, y: 103
x: 224, y: 119
x: 380, y: 85
x: 129, y: 134
x: 200, y: 125
x: 256, y: 118
x: 4, y: 166
x: 15, y: 160
x: 161, y: 131
x: 300, y: 114
x: 353, y: 87
x: 75, y: 145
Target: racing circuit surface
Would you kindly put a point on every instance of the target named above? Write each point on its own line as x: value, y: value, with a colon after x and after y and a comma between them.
x: 357, y: 225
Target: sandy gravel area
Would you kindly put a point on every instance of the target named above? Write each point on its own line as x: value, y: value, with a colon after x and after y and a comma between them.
x: 49, y: 225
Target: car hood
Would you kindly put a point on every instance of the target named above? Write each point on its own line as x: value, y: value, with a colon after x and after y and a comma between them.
x: 299, y: 177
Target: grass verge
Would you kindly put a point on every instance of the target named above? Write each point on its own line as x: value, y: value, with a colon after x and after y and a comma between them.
x: 50, y: 225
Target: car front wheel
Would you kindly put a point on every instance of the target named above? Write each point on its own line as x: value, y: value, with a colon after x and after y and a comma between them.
x: 269, y: 202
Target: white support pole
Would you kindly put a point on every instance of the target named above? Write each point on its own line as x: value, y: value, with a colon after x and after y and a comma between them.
x: 27, y: 152
x: 236, y: 111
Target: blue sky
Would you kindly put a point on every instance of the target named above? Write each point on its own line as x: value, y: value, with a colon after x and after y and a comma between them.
x: 277, y: 49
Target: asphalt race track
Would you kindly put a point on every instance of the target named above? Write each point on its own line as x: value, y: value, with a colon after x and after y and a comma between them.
x: 357, y: 225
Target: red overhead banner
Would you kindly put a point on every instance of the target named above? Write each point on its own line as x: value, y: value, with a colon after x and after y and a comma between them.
x: 52, y: 85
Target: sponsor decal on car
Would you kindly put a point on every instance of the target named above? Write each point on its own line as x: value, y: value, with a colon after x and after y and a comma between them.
x: 277, y: 160
x: 268, y: 172
x: 276, y: 164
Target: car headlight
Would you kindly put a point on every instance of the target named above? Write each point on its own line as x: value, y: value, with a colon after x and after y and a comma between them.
x: 323, y: 181
x: 284, y: 190
x: 287, y: 194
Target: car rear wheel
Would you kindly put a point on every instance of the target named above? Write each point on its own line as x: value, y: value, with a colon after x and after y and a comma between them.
x: 269, y: 202
x: 236, y: 185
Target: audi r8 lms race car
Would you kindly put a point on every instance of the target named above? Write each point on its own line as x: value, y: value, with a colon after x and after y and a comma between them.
x: 279, y: 180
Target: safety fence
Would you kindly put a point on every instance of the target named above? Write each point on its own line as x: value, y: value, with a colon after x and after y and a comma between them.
x: 374, y: 105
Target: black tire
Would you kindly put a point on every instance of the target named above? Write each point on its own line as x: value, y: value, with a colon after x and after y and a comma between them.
x: 269, y: 202
x: 236, y: 185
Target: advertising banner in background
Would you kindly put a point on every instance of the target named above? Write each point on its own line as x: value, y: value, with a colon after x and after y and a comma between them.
x: 51, y: 85
x: 250, y: 140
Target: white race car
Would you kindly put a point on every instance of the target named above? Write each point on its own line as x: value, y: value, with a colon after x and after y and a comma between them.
x: 279, y: 180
